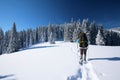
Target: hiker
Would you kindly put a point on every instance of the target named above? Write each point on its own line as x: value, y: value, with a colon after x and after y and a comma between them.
x: 83, y: 44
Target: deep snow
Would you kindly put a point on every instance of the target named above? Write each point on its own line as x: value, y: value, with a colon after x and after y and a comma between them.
x: 106, y: 61
x: 60, y: 61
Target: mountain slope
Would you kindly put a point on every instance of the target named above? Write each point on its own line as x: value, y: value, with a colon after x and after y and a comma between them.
x: 59, y: 61
x: 117, y: 29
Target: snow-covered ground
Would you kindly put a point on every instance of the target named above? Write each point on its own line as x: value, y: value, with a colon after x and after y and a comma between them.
x: 60, y: 61
x: 106, y: 61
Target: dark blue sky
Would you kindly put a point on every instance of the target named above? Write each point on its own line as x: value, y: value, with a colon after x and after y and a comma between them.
x: 34, y: 13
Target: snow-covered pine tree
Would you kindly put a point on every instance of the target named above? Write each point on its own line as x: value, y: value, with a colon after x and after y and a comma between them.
x: 39, y: 34
x: 6, y: 41
x: 114, y: 38
x: 78, y: 26
x: 59, y: 32
x: 1, y: 41
x: 107, y: 38
x: 45, y: 34
x: 51, y: 33
x: 49, y: 30
x: 85, y: 26
x: 51, y: 38
x: 118, y: 39
x: 24, y: 38
x: 75, y: 35
x: 66, y: 33
x: 34, y: 36
x: 30, y: 39
x: 37, y: 38
x: 20, y: 39
x: 42, y: 34
x: 54, y: 32
x: 13, y: 44
x: 99, y: 39
x: 73, y: 31
x: 27, y: 38
x: 93, y: 33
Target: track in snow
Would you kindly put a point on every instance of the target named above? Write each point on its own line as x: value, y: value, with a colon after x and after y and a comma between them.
x: 85, y: 71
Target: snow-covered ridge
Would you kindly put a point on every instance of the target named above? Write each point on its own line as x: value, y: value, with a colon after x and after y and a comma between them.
x: 117, y: 29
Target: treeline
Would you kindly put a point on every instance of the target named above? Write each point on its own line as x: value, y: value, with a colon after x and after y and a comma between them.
x: 12, y: 40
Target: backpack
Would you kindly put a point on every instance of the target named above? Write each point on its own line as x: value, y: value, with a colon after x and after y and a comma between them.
x: 83, y: 40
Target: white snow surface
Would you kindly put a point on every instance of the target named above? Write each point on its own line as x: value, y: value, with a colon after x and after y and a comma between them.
x: 60, y: 61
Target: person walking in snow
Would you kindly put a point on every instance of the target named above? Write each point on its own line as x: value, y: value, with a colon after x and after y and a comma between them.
x: 83, y: 44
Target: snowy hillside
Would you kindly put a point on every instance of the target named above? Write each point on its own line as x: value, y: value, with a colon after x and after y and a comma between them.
x: 115, y: 29
x: 60, y: 61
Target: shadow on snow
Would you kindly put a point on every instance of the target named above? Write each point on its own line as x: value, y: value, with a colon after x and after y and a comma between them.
x: 7, y: 77
x: 110, y: 59
x: 77, y: 76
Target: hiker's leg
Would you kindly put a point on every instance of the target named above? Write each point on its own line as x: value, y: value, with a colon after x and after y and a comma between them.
x: 85, y: 50
x: 81, y: 53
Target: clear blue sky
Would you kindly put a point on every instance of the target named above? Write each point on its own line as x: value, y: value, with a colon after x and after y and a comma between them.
x: 34, y: 13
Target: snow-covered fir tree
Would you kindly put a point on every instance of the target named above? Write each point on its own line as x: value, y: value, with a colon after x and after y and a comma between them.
x: 20, y: 39
x: 13, y: 44
x: 112, y: 38
x: 51, y: 38
x: 30, y: 39
x: 107, y: 37
x: 34, y: 36
x: 51, y: 33
x: 24, y: 38
x: 37, y: 38
x: 43, y: 34
x: 66, y: 35
x: 6, y: 41
x: 75, y: 35
x: 68, y: 32
x: 59, y: 32
x: 85, y: 26
x: 1, y: 41
x: 27, y: 38
x: 78, y: 26
x: 93, y: 33
x: 99, y: 39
